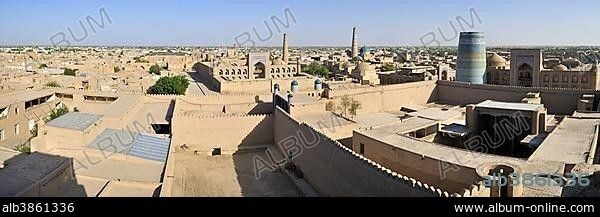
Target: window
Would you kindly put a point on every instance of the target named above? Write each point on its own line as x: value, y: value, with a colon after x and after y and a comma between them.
x: 17, y: 129
x: 362, y: 149
x: 1, y: 134
x: 216, y: 151
x: 17, y: 111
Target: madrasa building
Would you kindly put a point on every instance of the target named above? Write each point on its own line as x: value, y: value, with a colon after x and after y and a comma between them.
x: 526, y: 68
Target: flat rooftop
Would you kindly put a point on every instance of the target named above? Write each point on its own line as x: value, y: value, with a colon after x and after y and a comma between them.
x: 228, y: 176
x: 509, y: 105
x: 439, y: 114
x: 571, y: 141
x: 22, y: 96
x: 122, y: 105
x: 401, y: 127
x: 33, y: 168
x: 436, y: 151
x: 75, y: 121
x: 378, y: 119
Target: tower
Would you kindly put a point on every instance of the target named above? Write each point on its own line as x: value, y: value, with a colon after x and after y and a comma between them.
x: 298, y: 66
x: 471, y: 62
x: 354, y: 43
x: 286, y: 55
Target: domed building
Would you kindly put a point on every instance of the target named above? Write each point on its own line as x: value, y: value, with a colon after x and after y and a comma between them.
x: 571, y: 63
x: 365, y: 53
x: 496, y: 61
x: 278, y: 61
x: 497, y: 70
x: 560, y: 68
x: 365, y: 74
x: 364, y: 50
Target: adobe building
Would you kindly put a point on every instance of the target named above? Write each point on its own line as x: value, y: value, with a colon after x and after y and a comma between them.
x: 365, y: 74
x: 233, y: 73
x: 20, y: 112
x: 411, y: 74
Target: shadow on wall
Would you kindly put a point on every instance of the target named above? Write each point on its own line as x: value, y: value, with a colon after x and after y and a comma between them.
x: 170, y: 111
x: 199, y: 78
x: 270, y: 183
x: 261, y: 134
x: 434, y: 96
x: 39, y: 175
x: 261, y: 108
x: 591, y: 190
x: 347, y: 142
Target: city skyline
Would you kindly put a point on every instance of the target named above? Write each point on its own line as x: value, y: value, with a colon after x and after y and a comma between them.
x: 389, y: 23
x: 266, y: 98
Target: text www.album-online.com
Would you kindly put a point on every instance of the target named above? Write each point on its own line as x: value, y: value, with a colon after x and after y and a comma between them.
x: 516, y: 208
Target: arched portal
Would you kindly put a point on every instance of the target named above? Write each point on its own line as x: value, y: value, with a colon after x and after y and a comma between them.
x: 259, y: 70
x: 524, y: 73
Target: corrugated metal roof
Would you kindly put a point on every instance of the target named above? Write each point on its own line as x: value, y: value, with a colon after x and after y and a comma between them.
x: 131, y: 143
x: 75, y: 121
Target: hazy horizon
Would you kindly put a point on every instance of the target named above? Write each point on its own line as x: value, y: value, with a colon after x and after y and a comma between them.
x: 311, y: 23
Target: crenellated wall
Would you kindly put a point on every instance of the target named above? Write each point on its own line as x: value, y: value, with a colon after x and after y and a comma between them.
x: 265, y: 85
x: 388, y: 97
x: 429, y: 169
x: 334, y: 170
x: 221, y: 99
x: 225, y: 104
x: 230, y: 132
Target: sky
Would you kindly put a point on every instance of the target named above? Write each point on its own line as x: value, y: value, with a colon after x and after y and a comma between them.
x: 317, y: 22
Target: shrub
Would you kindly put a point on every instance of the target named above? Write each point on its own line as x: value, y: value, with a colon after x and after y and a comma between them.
x: 69, y: 72
x: 53, y: 84
x: 171, y: 85
x: 57, y: 113
x: 155, y: 69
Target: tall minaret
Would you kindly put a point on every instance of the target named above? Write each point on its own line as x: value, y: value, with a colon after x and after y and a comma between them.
x: 354, y: 43
x: 298, y: 66
x: 286, y: 55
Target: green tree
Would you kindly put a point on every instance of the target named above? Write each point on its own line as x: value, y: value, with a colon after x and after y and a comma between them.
x: 69, y: 72
x: 75, y: 109
x: 171, y: 85
x: 116, y: 69
x: 34, y: 130
x: 346, y: 101
x: 24, y: 148
x: 43, y: 65
x: 155, y: 69
x: 57, y: 113
x: 315, y: 68
x: 53, y: 84
x: 388, y: 67
x: 354, y: 106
